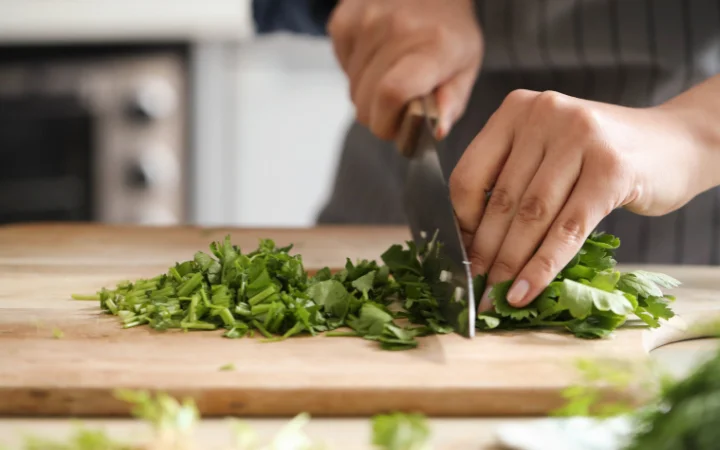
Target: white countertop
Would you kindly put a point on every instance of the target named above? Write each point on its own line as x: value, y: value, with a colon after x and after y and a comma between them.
x: 57, y: 21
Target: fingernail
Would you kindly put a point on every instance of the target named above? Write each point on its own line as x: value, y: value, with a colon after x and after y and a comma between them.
x: 485, y: 302
x: 442, y: 128
x: 517, y: 292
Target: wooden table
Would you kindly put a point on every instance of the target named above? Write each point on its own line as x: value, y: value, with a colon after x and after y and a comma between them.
x: 41, y: 265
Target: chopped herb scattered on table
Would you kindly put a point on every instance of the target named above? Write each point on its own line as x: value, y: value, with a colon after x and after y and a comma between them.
x: 267, y: 291
x: 173, y: 424
x: 664, y: 412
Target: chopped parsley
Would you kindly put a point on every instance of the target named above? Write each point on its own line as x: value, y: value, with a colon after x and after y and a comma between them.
x: 268, y: 292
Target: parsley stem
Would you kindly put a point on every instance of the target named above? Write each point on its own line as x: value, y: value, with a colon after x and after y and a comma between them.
x: 85, y: 297
x: 257, y: 310
x: 175, y: 274
x: 198, y: 326
x: 297, y: 328
x: 242, y: 310
x: 190, y: 285
x: 342, y: 334
x: 227, y: 317
x: 262, y: 329
x: 544, y: 323
x: 258, y: 298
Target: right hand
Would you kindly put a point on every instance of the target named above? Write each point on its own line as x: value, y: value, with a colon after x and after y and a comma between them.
x: 396, y: 50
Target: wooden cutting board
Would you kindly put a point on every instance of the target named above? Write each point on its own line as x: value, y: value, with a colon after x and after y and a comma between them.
x: 496, y: 374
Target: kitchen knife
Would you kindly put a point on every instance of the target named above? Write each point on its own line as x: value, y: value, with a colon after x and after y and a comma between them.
x: 432, y: 218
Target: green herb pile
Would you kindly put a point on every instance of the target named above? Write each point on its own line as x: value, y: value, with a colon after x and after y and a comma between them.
x: 590, y: 298
x: 173, y: 424
x: 269, y: 292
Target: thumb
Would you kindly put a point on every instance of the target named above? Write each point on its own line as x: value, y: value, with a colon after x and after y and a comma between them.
x: 452, y: 98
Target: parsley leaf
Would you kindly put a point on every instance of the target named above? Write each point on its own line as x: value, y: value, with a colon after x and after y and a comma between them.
x: 332, y: 295
x: 596, y: 326
x: 365, y: 283
x: 498, y: 294
x: 372, y: 320
x: 580, y: 300
x: 487, y: 322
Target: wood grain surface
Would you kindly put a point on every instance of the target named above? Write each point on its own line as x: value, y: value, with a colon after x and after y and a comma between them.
x: 496, y: 374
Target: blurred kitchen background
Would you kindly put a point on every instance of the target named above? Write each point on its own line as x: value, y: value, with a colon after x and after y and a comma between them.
x: 164, y: 112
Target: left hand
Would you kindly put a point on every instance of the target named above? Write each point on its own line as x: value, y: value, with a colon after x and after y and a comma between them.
x: 556, y: 166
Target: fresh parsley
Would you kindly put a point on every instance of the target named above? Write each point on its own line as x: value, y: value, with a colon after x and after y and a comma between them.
x: 589, y: 298
x: 268, y: 292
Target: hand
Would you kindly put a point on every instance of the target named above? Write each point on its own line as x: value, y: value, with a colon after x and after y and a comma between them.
x: 556, y: 166
x: 396, y: 50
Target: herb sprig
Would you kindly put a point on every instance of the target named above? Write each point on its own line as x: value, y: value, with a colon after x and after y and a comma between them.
x: 589, y: 297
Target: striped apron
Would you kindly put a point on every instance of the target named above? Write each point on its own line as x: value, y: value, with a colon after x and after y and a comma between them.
x: 634, y: 53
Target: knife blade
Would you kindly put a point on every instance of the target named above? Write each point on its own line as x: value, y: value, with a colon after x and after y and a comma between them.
x: 432, y: 218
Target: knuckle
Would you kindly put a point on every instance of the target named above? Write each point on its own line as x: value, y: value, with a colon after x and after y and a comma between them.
x: 518, y: 97
x: 585, y: 123
x: 392, y: 91
x: 571, y: 231
x: 610, y: 161
x: 500, y: 202
x: 532, y: 210
x: 477, y: 259
x: 548, y: 102
x: 545, y: 264
x: 503, y: 270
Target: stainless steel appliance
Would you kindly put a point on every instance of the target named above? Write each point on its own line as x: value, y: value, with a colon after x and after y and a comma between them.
x: 94, y: 134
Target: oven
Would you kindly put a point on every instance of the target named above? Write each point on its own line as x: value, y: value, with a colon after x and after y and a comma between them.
x: 94, y: 134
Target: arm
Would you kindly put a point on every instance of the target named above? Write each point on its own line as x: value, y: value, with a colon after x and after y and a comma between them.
x: 699, y: 107
x: 295, y: 16
x: 557, y: 165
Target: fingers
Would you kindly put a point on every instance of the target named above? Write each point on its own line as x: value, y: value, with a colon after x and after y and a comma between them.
x: 480, y: 166
x: 342, y: 28
x: 412, y: 76
x: 393, y: 53
x: 537, y: 210
x: 388, y: 83
x: 516, y: 175
x: 452, y: 98
x: 368, y: 60
x: 582, y: 213
x: 557, y: 176
x: 385, y: 93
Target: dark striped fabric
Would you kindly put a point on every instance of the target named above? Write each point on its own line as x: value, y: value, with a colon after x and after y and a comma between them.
x: 630, y: 52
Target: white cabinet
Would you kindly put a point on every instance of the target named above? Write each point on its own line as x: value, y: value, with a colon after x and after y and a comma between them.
x: 274, y: 164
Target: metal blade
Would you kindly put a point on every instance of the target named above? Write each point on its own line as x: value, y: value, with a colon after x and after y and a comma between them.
x: 432, y: 221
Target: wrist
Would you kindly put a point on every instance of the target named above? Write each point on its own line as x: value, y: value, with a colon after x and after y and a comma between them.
x: 700, y: 121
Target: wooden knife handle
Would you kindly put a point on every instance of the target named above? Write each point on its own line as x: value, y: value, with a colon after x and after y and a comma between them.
x: 412, y: 122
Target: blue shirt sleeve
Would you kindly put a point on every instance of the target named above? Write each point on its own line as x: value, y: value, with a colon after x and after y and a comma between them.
x: 293, y: 16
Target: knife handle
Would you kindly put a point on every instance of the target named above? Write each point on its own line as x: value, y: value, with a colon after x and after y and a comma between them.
x: 417, y: 111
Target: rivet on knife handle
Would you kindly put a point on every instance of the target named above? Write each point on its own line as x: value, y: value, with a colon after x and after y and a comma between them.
x: 417, y: 111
